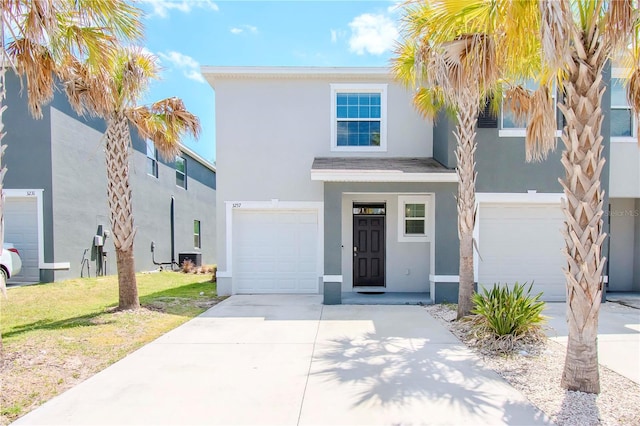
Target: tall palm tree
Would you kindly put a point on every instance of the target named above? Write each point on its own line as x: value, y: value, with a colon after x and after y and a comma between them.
x: 37, y: 36
x: 577, y: 39
x: 458, y: 67
x: 113, y: 94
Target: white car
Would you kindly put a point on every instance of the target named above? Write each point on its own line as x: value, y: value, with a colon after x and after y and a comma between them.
x: 10, y: 262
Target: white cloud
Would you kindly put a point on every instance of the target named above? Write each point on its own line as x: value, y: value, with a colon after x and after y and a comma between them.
x: 162, y: 8
x: 373, y: 34
x: 244, y: 29
x: 189, y: 66
x: 334, y: 36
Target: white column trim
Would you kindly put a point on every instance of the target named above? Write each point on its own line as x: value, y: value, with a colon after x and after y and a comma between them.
x: 332, y: 278
x: 444, y: 278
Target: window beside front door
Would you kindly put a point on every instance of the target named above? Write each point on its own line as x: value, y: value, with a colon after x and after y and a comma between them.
x: 359, y: 114
x: 413, y: 218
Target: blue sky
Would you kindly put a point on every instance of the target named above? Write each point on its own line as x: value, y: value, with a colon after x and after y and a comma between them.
x: 186, y: 34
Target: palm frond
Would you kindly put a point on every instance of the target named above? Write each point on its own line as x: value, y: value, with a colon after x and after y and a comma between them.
x: 541, y: 128
x: 35, y: 62
x: 165, y: 123
x: 633, y: 97
x: 619, y: 22
x: 518, y: 100
x: 555, y: 32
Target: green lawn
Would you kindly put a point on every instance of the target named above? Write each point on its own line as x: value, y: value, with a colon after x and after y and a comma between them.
x: 58, y: 334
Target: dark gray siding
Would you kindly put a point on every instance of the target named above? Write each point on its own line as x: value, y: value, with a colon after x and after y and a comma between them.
x: 28, y: 156
x: 444, y: 142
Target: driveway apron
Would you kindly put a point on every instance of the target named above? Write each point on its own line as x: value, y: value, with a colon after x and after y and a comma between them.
x: 289, y: 360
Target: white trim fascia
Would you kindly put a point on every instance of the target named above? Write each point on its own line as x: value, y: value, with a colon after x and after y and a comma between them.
x: 624, y: 139
x: 519, y: 197
x: 274, y: 204
x: 332, y: 278
x: 235, y: 72
x: 197, y: 157
x: 444, y: 278
x: 380, y: 176
x: 223, y: 274
x: 519, y: 133
x: 38, y: 195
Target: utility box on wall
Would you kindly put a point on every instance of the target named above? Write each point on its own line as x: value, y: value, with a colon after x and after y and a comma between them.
x: 196, y: 258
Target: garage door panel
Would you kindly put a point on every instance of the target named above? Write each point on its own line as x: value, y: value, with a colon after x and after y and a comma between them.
x: 21, y: 229
x: 522, y: 242
x: 275, y: 251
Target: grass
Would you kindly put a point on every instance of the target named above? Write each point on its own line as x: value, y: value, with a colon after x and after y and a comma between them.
x: 58, y: 334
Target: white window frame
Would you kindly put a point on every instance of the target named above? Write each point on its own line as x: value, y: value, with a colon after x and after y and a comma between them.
x: 414, y: 199
x: 622, y: 73
x: 359, y: 88
x: 184, y: 173
x: 511, y: 132
x: 154, y: 158
x: 198, y: 234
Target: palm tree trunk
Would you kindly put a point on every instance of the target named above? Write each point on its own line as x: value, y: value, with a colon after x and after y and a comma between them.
x: 583, y: 233
x: 120, y: 206
x: 465, y: 155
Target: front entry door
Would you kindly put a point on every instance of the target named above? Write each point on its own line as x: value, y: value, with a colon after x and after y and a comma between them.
x: 368, y: 251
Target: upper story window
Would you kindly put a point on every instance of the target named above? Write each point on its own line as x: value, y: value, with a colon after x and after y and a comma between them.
x: 181, y: 172
x: 152, y: 159
x: 359, y: 117
x: 622, y: 119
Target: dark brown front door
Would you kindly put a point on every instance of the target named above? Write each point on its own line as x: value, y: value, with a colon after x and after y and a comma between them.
x: 368, y: 251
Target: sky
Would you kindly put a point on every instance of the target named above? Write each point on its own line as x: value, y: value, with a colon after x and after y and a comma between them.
x: 188, y: 34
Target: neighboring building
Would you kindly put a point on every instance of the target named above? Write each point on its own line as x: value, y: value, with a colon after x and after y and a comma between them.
x: 55, y: 195
x: 329, y: 175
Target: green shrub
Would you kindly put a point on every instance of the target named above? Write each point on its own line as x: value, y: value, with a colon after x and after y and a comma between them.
x: 506, y: 311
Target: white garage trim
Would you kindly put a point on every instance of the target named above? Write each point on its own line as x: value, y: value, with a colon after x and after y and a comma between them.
x: 274, y: 204
x: 38, y: 194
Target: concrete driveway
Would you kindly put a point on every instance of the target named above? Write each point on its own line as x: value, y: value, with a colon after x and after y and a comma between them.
x: 618, y: 336
x: 287, y: 360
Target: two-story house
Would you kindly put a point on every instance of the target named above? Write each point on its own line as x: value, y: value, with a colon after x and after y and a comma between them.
x: 56, y: 202
x: 329, y: 175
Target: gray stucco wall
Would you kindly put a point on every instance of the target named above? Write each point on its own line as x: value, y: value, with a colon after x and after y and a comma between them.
x: 623, y: 239
x: 268, y: 131
x: 446, y: 237
x: 80, y: 204
x: 28, y: 156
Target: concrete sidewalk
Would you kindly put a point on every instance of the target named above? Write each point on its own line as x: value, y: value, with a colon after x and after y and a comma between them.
x: 287, y: 360
x: 618, y: 336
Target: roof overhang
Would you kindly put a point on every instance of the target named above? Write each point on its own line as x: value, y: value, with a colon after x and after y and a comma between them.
x: 380, y: 176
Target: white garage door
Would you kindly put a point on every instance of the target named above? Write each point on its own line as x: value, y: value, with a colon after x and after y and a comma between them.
x: 522, y: 242
x: 275, y: 251
x: 21, y: 229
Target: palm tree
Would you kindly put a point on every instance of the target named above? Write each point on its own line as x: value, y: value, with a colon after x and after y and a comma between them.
x: 113, y: 94
x: 37, y: 36
x: 457, y: 67
x: 577, y: 39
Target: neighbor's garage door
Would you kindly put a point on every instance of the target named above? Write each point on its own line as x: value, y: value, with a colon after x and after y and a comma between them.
x: 21, y: 229
x: 275, y: 251
x: 522, y: 242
